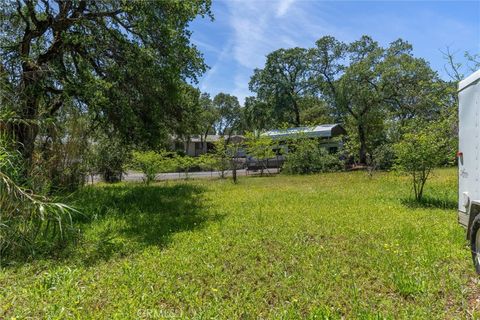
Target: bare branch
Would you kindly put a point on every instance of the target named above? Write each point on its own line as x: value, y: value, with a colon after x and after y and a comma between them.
x: 452, y: 68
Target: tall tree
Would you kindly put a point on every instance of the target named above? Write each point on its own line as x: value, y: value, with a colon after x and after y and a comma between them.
x: 122, y: 61
x: 186, y: 120
x: 207, y: 118
x: 366, y: 84
x: 282, y: 83
x: 327, y: 65
x: 373, y: 90
x: 229, y: 114
x: 361, y: 98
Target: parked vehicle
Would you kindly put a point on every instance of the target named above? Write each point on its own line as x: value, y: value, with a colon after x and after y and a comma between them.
x: 469, y: 162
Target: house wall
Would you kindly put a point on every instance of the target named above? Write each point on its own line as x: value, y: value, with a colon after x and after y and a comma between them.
x: 189, y: 148
x: 197, y: 148
x: 194, y: 149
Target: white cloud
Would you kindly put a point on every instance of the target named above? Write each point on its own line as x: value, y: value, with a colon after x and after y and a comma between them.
x: 256, y: 28
x: 283, y: 7
x: 260, y: 27
x: 205, y: 84
x: 206, y: 46
x: 249, y: 34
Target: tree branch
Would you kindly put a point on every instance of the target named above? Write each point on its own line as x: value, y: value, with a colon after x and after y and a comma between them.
x: 20, y: 13
x: 31, y: 13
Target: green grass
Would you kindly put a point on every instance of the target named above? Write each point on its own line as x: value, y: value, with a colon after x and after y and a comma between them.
x: 319, y: 247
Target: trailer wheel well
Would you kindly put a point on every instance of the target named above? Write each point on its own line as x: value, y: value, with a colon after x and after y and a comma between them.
x: 473, y: 212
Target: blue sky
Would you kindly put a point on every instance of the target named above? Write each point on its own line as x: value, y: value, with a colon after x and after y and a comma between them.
x: 244, y: 32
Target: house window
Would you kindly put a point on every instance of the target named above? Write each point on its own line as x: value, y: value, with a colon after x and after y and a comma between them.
x: 179, y: 146
x: 210, y: 147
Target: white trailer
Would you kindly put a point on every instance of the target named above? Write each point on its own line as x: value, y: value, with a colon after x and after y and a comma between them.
x: 469, y: 162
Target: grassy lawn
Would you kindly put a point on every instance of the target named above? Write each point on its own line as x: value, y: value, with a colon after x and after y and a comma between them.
x: 320, y: 247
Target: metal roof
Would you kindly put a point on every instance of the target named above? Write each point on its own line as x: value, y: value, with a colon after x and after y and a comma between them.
x: 469, y: 80
x: 320, y: 131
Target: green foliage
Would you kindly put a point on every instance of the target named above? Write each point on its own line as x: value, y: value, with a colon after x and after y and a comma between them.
x: 221, y: 156
x: 61, y: 163
x: 151, y: 163
x: 10, y: 160
x: 315, y: 111
x: 127, y: 65
x: 259, y: 147
x: 257, y: 115
x: 383, y: 157
x: 229, y: 114
x: 368, y: 88
x: 336, y: 246
x: 207, y: 117
x: 282, y: 83
x: 30, y: 224
x: 206, y: 161
x: 420, y: 151
x: 307, y: 156
x: 185, y: 163
x: 109, y: 157
x: 190, y: 117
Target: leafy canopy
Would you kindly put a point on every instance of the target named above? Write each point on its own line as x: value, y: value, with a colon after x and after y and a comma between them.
x: 125, y: 62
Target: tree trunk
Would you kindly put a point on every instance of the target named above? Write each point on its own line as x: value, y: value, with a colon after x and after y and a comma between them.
x: 25, y: 131
x: 204, y: 142
x: 297, y: 113
x: 234, y: 171
x: 25, y: 135
x: 362, y: 154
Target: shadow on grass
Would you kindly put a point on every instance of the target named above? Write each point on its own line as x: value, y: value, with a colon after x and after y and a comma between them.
x: 430, y: 202
x: 122, y: 219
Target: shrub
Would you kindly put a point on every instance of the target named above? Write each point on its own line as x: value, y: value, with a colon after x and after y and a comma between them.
x: 109, y: 156
x: 185, y: 164
x: 221, y: 156
x: 383, y: 157
x: 206, y: 161
x: 419, y: 152
x: 307, y: 156
x: 260, y: 148
x: 150, y: 163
